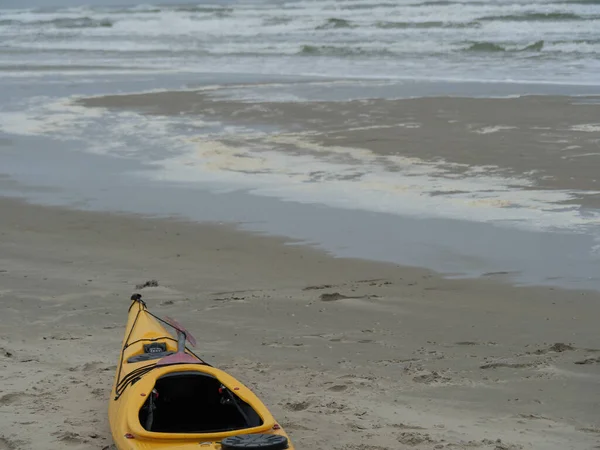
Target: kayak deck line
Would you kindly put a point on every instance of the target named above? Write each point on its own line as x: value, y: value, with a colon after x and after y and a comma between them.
x: 181, y: 349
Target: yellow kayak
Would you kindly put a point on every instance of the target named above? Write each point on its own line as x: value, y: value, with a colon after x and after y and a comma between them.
x: 166, y: 397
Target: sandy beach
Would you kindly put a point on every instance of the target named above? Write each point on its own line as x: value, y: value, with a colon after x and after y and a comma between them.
x: 382, y: 217
x: 348, y: 354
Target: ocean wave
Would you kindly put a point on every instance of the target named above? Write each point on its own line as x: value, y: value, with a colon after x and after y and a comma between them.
x: 576, y: 49
x: 485, y: 47
x: 508, y: 3
x: 445, y: 3
x: 154, y: 9
x: 430, y: 24
x: 334, y: 22
x: 492, y: 47
x: 201, y: 9
x: 83, y: 22
x: 140, y: 9
x: 271, y: 21
x: 578, y: 41
x: 580, y: 2
x: 341, y: 51
x: 98, y: 47
x: 171, y: 50
x: 535, y: 47
x: 367, y: 5
x: 537, y: 17
x: 65, y: 22
x: 555, y: 39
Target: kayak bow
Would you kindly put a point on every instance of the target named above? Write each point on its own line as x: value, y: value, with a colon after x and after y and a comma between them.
x: 166, y: 397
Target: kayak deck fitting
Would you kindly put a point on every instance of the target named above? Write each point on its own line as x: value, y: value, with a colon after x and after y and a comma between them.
x: 165, y: 397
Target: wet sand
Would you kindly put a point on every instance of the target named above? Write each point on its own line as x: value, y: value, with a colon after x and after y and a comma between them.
x: 552, y: 140
x: 348, y: 354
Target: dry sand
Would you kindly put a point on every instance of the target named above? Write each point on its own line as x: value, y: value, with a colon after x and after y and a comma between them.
x: 347, y: 354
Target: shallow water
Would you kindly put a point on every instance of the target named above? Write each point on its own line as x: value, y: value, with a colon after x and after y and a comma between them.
x: 56, y: 152
x: 63, y: 175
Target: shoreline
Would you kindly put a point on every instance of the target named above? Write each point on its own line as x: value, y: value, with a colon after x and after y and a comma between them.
x: 526, y: 135
x: 429, y: 244
x: 444, y: 171
x: 345, y: 352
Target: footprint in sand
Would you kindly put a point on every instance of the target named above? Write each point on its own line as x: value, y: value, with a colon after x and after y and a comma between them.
x: 332, y: 407
x: 559, y: 347
x: 391, y: 362
x: 430, y: 378
x: 413, y: 439
x: 338, y: 388
x: 12, y: 398
x: 296, y: 406
x: 89, y: 366
x: 98, y: 393
x: 5, y: 444
x: 69, y: 437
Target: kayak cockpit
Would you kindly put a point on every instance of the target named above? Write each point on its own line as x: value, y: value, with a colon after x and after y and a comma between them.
x: 195, y: 402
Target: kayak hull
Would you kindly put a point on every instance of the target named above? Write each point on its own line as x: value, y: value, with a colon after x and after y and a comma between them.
x: 177, y: 405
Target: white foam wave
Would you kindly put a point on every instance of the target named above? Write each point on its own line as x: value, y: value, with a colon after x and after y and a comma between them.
x: 587, y: 127
x: 325, y: 38
x: 293, y: 167
x: 574, y: 47
x: 45, y: 115
x: 176, y: 24
x: 107, y: 46
x: 317, y: 174
x: 493, y: 129
x: 304, y: 16
x: 28, y: 16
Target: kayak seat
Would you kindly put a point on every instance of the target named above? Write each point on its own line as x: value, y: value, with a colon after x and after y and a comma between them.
x: 148, y: 356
